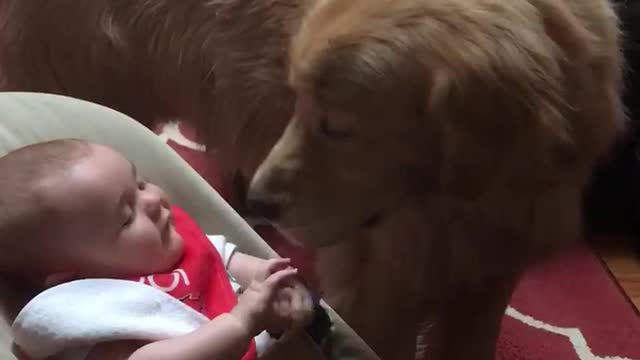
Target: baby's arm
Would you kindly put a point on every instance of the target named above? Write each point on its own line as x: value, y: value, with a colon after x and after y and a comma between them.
x: 227, y: 336
x: 224, y: 337
x: 294, y: 299
x: 241, y: 266
x: 244, y: 267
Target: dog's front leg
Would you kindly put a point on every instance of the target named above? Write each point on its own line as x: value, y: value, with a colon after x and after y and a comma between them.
x: 376, y: 299
x: 467, y: 324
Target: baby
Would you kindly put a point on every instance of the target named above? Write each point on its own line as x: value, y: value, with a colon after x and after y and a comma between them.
x: 76, y: 210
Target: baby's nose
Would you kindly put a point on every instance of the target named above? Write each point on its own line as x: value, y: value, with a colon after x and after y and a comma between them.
x: 152, y: 203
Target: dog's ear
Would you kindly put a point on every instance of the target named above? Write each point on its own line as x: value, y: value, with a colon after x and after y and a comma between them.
x: 522, y: 97
x: 500, y: 124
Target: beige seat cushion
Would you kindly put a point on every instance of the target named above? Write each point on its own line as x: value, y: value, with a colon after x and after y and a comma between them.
x: 27, y: 118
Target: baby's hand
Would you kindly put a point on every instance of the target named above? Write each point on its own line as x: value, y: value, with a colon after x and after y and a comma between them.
x: 296, y: 301
x: 257, y: 307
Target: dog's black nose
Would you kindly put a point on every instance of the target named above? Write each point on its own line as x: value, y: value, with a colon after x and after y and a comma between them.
x: 263, y: 207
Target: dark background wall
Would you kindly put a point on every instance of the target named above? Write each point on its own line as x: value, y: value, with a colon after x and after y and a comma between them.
x: 612, y: 203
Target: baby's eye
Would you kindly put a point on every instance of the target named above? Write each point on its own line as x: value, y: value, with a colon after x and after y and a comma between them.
x: 142, y: 184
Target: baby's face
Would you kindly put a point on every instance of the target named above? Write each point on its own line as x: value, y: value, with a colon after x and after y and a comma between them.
x: 113, y: 223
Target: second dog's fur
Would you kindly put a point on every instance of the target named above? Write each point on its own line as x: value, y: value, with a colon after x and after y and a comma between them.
x: 436, y: 147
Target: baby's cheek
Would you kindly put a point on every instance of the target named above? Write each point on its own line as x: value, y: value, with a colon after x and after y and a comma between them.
x: 138, y: 239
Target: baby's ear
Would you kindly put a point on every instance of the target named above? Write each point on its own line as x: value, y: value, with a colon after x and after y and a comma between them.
x: 57, y: 279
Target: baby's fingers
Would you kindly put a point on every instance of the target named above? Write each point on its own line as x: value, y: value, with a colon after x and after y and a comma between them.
x: 301, y: 311
x: 276, y: 264
x: 279, y: 279
x: 307, y: 300
x: 272, y: 266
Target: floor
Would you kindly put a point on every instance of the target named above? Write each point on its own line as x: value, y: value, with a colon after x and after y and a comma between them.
x: 624, y: 264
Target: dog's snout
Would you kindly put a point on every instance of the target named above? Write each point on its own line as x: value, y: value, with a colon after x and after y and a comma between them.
x: 270, y: 193
x: 262, y: 206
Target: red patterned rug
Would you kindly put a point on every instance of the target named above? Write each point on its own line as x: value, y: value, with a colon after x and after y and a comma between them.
x: 566, y: 309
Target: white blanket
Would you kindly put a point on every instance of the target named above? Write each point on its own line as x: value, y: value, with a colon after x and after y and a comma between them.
x: 70, y: 318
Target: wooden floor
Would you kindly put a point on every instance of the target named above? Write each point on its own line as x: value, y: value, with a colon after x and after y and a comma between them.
x: 624, y: 264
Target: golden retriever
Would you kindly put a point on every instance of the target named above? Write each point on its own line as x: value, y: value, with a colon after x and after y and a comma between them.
x: 436, y: 148
x: 444, y: 145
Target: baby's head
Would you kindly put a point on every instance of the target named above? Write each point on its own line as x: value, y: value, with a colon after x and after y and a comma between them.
x: 75, y: 209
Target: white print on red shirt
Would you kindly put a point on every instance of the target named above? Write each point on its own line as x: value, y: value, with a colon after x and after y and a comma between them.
x: 178, y: 276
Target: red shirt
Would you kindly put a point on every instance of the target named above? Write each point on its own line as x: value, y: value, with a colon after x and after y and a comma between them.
x: 200, y: 279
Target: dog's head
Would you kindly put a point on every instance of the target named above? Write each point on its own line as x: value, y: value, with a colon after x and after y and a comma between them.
x: 402, y: 100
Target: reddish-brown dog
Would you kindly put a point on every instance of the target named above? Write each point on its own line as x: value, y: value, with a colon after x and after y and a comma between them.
x: 435, y: 149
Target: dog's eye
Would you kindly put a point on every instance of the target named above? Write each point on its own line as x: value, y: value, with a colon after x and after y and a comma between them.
x: 333, y: 133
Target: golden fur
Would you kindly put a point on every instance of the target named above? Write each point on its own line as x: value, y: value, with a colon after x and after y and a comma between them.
x: 436, y: 148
